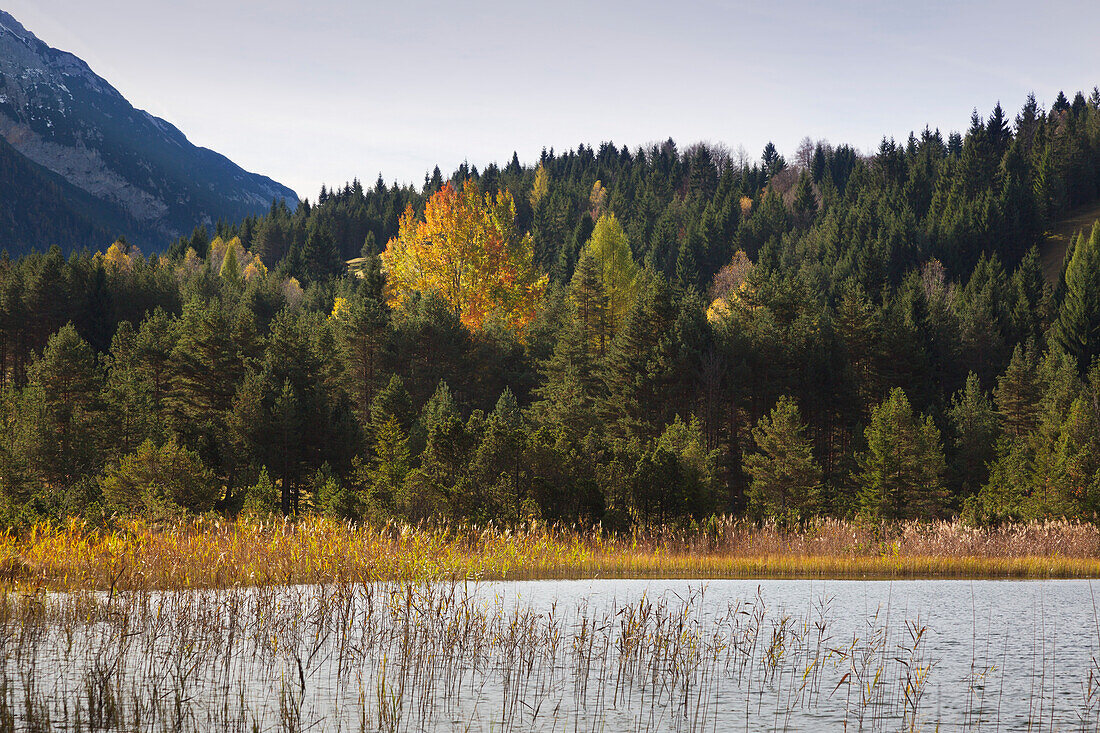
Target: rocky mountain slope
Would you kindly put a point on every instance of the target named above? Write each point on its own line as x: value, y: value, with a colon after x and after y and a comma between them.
x: 140, y: 174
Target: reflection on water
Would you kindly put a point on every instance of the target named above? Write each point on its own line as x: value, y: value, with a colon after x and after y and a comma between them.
x: 554, y: 655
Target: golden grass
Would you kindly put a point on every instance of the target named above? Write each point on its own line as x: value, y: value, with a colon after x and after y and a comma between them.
x: 210, y: 552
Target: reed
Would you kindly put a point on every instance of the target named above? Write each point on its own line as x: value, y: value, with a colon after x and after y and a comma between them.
x: 211, y: 552
x: 449, y: 655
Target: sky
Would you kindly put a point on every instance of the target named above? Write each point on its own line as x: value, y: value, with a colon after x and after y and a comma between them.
x: 330, y: 90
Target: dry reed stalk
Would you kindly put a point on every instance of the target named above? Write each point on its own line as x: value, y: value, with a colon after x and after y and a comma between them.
x: 208, y: 552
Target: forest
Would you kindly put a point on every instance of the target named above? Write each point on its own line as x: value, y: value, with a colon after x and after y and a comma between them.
x: 605, y: 335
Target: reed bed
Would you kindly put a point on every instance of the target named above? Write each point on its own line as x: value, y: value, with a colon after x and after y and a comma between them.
x: 452, y: 656
x: 214, y: 553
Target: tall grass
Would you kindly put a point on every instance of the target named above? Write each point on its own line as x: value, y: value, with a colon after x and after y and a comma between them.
x: 214, y: 553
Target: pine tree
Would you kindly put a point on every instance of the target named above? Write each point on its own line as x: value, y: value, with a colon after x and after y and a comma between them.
x: 697, y: 492
x: 786, y: 480
x: 287, y: 432
x: 61, y: 417
x: 205, y: 368
x: 363, y: 338
x: 262, y: 498
x: 160, y: 480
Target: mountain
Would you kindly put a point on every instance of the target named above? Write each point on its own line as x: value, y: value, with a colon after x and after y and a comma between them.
x: 96, y: 165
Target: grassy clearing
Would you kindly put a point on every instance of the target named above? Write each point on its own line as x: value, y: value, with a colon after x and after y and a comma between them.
x: 219, y: 553
x: 1052, y: 250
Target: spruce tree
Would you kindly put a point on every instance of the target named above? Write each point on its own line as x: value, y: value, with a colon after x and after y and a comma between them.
x: 974, y: 432
x: 805, y: 202
x: 393, y: 402
x: 1077, y: 329
x: 388, y: 472
x: 1018, y: 393
x: 498, y: 461
x: 901, y: 471
x: 571, y: 389
x: 636, y: 371
x: 785, y: 477
x: 442, y: 479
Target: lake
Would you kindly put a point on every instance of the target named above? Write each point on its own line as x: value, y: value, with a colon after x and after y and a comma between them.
x: 561, y: 655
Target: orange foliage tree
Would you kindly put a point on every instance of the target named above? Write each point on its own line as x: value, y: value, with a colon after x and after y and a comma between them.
x: 466, y: 250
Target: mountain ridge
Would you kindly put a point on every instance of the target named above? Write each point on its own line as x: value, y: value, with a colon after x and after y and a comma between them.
x: 63, y: 117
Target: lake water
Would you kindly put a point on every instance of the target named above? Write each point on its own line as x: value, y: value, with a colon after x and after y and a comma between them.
x: 564, y: 655
x: 1001, y: 655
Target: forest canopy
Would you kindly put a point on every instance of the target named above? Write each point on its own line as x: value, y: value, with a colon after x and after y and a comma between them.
x: 605, y: 335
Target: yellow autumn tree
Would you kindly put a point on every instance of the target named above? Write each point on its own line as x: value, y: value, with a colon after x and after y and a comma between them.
x: 597, y: 199
x: 618, y: 273
x: 466, y: 250
x: 541, y: 186
x: 254, y: 269
x: 119, y: 257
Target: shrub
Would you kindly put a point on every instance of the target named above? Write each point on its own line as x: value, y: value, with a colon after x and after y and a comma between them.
x: 153, y: 479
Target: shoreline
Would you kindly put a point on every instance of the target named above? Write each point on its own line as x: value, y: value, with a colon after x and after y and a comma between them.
x: 208, y: 553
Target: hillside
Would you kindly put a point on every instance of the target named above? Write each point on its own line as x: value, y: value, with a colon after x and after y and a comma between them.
x: 38, y: 206
x: 1054, y: 244
x: 147, y: 181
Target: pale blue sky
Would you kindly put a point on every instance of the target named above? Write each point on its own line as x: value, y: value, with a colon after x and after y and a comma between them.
x: 328, y: 90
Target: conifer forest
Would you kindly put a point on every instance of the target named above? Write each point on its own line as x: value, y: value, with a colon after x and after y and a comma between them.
x: 613, y: 336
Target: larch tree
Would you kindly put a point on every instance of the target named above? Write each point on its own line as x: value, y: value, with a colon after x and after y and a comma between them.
x: 618, y: 273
